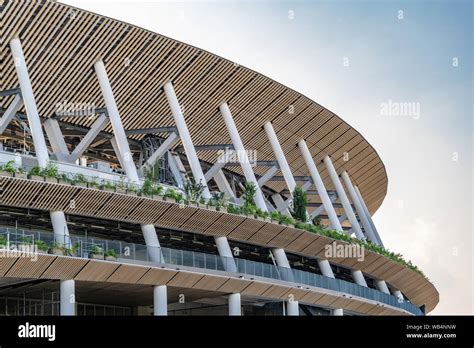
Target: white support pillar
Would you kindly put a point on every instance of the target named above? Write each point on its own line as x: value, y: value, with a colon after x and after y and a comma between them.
x: 337, y: 312
x: 342, y: 218
x: 223, y: 184
x: 164, y: 147
x: 56, y: 139
x: 34, y: 121
x: 160, y: 300
x: 122, y: 149
x: 318, y: 182
x: 225, y: 253
x: 177, y: 169
x: 242, y: 154
x: 359, y: 208
x: 325, y: 268
x: 10, y: 112
x: 343, y: 197
x: 358, y: 277
x: 61, y: 233
x: 319, y: 210
x: 292, y: 308
x: 382, y: 286
x: 306, y: 186
x: 281, y: 205
x: 267, y: 176
x: 399, y: 295
x: 95, y: 129
x: 185, y: 136
x: 234, y: 305
x: 114, y: 116
x: 220, y: 163
x: 374, y: 229
x: 67, y: 304
x: 283, y: 264
x: 280, y: 156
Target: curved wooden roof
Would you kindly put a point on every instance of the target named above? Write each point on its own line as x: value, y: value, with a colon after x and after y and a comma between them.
x: 61, y: 43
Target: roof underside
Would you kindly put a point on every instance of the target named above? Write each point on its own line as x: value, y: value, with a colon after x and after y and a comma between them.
x: 61, y: 44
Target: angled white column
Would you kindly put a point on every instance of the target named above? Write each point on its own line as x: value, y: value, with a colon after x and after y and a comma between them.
x: 10, y: 112
x: 185, y: 136
x: 114, y: 116
x: 34, y: 121
x: 122, y: 149
x: 177, y: 169
x: 67, y: 297
x: 358, y: 278
x: 225, y: 253
x: 319, y: 210
x: 87, y: 140
x: 280, y: 156
x: 283, y: 264
x: 342, y: 218
x: 221, y: 162
x: 325, y: 268
x: 359, y: 207
x: 242, y: 154
x: 160, y: 300
x: 374, y: 229
x: 343, y: 197
x: 113, y: 142
x: 281, y: 205
x: 306, y: 186
x: 164, y: 147
x: 399, y: 295
x: 318, y: 182
x: 56, y: 139
x: 292, y: 308
x: 223, y: 184
x: 234, y: 305
x: 382, y: 286
x: 270, y: 173
x: 61, y: 233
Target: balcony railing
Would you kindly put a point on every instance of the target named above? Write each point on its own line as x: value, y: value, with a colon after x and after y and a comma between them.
x: 97, y: 248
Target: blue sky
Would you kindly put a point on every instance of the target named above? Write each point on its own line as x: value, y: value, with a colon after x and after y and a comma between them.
x: 427, y: 214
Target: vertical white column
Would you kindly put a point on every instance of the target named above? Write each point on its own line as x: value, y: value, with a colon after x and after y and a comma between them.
x: 358, y: 277
x: 34, y: 121
x: 280, y: 156
x: 318, y: 182
x: 160, y: 300
x: 292, y: 308
x: 67, y: 304
x: 120, y: 144
x: 343, y: 197
x: 234, y: 305
x: 337, y: 312
x: 359, y: 207
x: 242, y: 154
x: 374, y: 229
x: 185, y: 136
x: 58, y: 219
x: 115, y: 121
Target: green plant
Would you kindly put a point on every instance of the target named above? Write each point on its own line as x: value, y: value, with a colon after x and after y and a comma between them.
x: 193, y: 190
x: 108, y: 185
x: 300, y: 201
x: 218, y: 200
x: 26, y: 239
x: 275, y: 215
x: 36, y: 171
x: 56, y: 245
x: 111, y: 252
x: 51, y: 170
x: 71, y: 251
x: 170, y: 193
x: 41, y: 245
x: 157, y: 190
x: 78, y: 177
x: 3, y: 240
x: 233, y: 209
x: 94, y: 182
x: 96, y: 249
x: 248, y: 194
x: 8, y: 167
x: 147, y: 187
x: 286, y: 220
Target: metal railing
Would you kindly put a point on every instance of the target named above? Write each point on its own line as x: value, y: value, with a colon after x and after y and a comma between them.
x: 98, y: 248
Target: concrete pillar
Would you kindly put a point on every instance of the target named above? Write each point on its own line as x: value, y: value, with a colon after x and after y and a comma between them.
x: 358, y: 277
x: 234, y: 305
x: 120, y: 144
x: 67, y: 305
x: 61, y: 232
x: 56, y: 139
x: 225, y: 253
x: 382, y: 286
x: 185, y: 136
x: 34, y: 121
x: 90, y: 136
x: 359, y: 207
x: 114, y: 117
x: 367, y: 213
x: 283, y: 264
x: 242, y: 154
x: 325, y: 268
x: 337, y: 312
x: 160, y: 300
x: 343, y: 197
x: 10, y: 112
x: 280, y: 156
x: 318, y: 182
x: 292, y: 308
x: 399, y: 295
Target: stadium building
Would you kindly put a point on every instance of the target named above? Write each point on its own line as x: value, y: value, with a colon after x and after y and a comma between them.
x: 144, y: 176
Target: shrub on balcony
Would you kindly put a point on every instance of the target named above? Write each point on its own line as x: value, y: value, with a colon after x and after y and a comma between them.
x: 300, y: 201
x: 41, y: 245
x: 193, y: 190
x: 8, y: 167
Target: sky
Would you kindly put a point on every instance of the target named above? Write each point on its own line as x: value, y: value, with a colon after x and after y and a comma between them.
x: 360, y: 59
